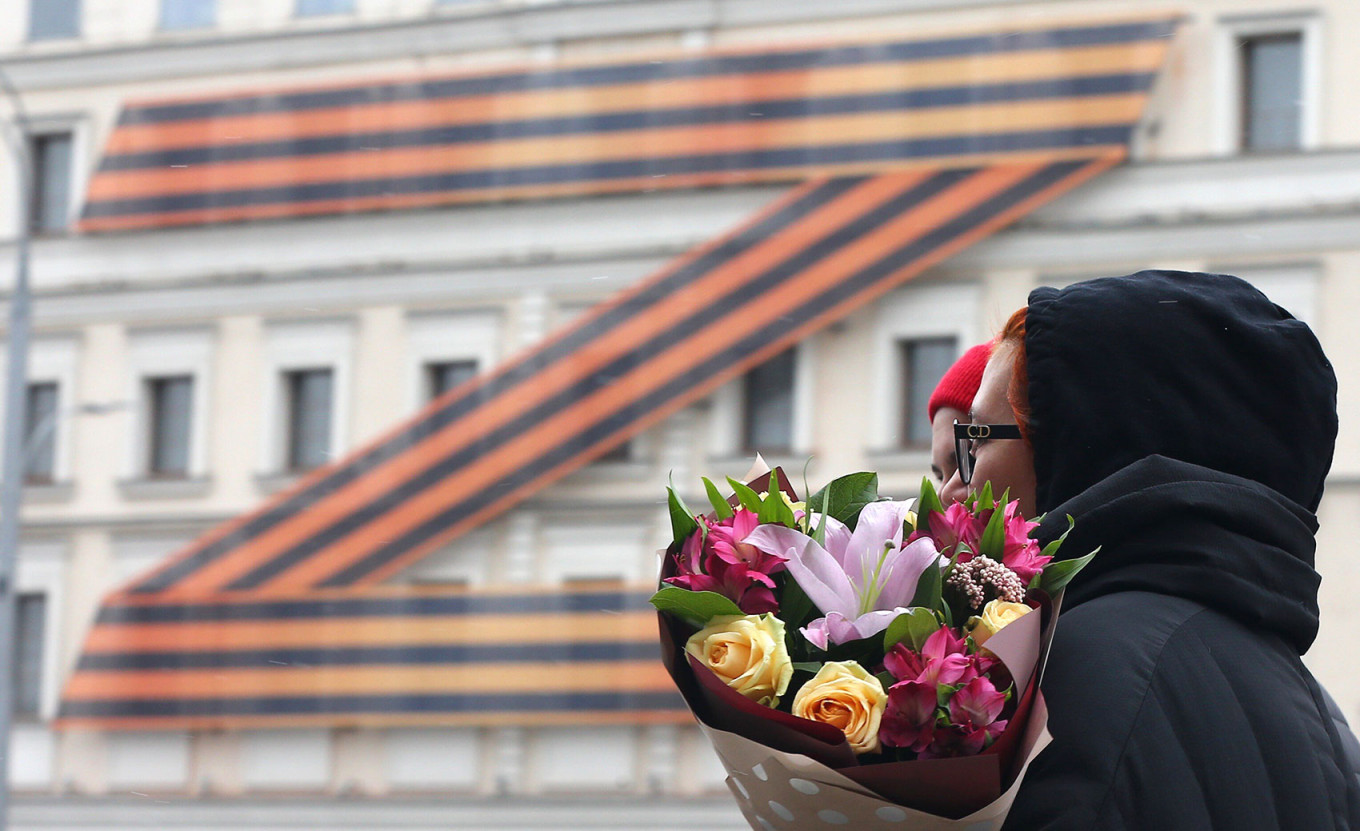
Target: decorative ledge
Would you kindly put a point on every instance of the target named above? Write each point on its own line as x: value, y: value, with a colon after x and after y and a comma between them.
x: 271, y: 483
x: 48, y: 493
x: 182, y: 488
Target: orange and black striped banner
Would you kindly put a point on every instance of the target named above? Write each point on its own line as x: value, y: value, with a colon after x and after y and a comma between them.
x: 939, y: 169
x: 773, y: 115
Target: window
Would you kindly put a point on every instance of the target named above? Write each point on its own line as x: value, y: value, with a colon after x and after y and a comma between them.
x: 53, y: 19
x: 923, y: 362
x: 308, y: 393
x: 442, y: 376
x: 188, y: 14
x: 767, y: 412
x: 313, y: 8
x: 26, y: 674
x: 40, y: 433
x: 1271, y: 91
x: 170, y: 408
x: 50, y: 201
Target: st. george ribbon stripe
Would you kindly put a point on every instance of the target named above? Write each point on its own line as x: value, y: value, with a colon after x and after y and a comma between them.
x: 755, y: 110
x: 510, y: 82
x: 619, y: 700
x: 743, y: 293
x: 353, y: 607
x: 522, y: 371
x: 653, y: 166
x: 575, y: 445
x: 413, y: 654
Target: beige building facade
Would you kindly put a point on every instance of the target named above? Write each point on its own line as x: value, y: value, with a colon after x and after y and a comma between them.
x: 168, y: 366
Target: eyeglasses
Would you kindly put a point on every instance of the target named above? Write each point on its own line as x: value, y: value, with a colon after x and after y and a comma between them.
x: 966, y: 437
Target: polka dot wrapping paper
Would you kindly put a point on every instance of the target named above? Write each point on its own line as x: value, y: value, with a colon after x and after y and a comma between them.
x: 778, y: 791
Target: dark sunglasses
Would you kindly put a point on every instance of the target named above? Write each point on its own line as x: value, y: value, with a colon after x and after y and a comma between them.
x: 966, y: 437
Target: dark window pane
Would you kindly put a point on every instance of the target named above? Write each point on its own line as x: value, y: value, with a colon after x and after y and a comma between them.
x: 445, y: 375
x: 308, y: 8
x: 40, y: 433
x: 923, y: 363
x: 171, y: 414
x: 26, y: 674
x: 50, y: 19
x: 309, y: 418
x: 1272, y: 92
x: 51, y: 198
x: 767, y: 414
x: 188, y: 14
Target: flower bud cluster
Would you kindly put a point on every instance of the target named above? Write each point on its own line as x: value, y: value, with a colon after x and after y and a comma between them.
x: 982, y: 579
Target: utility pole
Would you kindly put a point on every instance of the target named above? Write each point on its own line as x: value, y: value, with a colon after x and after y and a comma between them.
x: 12, y: 473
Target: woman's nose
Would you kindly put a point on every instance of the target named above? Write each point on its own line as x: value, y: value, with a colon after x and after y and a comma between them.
x: 954, y: 490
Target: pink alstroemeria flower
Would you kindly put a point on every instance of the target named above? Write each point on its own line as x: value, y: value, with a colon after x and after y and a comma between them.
x: 861, y: 580
x: 1021, y: 554
x: 956, y: 525
x: 722, y: 561
x: 909, y: 719
x: 943, y: 659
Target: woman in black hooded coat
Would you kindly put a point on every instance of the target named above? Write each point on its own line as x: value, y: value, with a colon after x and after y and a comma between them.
x: 1187, y: 424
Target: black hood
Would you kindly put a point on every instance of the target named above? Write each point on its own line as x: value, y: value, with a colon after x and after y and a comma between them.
x: 1187, y: 424
x: 1201, y: 368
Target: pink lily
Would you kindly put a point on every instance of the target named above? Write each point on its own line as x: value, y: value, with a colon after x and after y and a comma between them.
x: 860, y: 580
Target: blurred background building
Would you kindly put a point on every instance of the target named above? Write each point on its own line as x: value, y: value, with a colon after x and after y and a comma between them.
x: 184, y: 372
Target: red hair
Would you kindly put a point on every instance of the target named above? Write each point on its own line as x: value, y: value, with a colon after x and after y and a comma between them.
x: 1013, y: 336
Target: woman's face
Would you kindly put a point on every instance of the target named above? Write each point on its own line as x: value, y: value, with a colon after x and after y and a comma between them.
x: 1006, y: 463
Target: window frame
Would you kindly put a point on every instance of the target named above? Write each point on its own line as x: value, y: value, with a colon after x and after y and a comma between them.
x: 1228, y: 137
x: 904, y: 346
x: 34, y: 207
x: 163, y: 353
x: 53, y: 359
x: 211, y: 23
x: 57, y: 38
x: 914, y: 312
x: 290, y: 345
x: 299, y: 15
x: 449, y: 336
x: 289, y: 379
x: 41, y: 569
x: 152, y: 384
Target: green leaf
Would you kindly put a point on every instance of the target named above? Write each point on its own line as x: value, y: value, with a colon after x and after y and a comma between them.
x: 682, y: 519
x: 1059, y: 573
x: 912, y: 627
x: 795, y: 607
x: 846, y: 496
x: 748, y: 498
x: 993, y: 542
x: 820, y: 534
x: 985, y: 496
x: 695, y: 607
x: 807, y: 666
x: 721, y: 508
x: 929, y: 589
x: 887, y: 679
x: 774, y: 509
x: 1051, y: 549
x: 928, y: 503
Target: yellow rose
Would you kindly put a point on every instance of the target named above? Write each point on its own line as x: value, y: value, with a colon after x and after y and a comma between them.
x: 747, y: 652
x: 843, y: 694
x: 995, y: 616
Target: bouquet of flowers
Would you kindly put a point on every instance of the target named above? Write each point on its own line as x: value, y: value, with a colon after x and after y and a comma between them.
x: 856, y: 659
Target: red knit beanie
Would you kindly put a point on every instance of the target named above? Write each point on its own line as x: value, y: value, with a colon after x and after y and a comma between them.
x: 958, y: 386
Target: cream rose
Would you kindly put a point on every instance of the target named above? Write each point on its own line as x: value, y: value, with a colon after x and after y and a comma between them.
x: 995, y: 616
x: 844, y: 695
x: 747, y: 652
